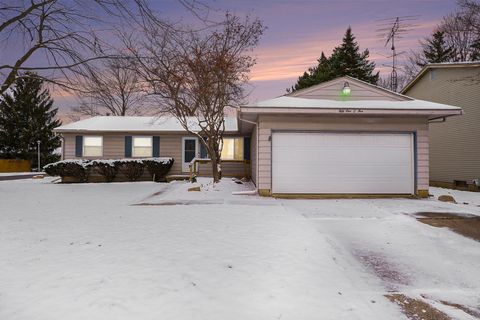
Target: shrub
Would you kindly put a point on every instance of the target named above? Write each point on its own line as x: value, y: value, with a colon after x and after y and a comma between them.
x: 158, y: 167
x: 106, y: 168
x: 77, y: 169
x: 133, y: 169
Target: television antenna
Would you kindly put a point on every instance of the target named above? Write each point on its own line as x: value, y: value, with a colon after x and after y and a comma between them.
x: 390, y: 30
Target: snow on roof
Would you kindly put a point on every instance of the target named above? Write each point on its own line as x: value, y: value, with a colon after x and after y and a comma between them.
x: 293, y: 102
x: 138, y: 124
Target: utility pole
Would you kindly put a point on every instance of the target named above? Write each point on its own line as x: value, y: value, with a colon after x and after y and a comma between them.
x: 38, y: 155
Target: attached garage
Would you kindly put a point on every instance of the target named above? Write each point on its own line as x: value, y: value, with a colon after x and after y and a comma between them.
x: 321, y: 140
x: 343, y: 163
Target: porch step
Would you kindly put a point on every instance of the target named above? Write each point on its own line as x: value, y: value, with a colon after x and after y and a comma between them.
x: 177, y: 177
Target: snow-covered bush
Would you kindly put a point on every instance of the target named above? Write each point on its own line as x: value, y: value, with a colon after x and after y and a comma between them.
x: 159, y: 167
x: 77, y: 169
x: 133, y: 169
x: 106, y: 168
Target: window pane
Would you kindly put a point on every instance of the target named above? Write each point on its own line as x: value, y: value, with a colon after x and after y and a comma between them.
x: 142, y: 151
x: 228, y: 149
x: 189, y: 155
x: 190, y: 144
x: 142, y: 141
x: 238, y: 149
x: 89, y: 151
x: 92, y: 141
x: 92, y: 146
x: 232, y: 149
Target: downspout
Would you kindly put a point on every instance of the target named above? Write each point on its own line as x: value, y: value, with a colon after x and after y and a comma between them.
x: 256, y: 154
x: 62, y: 138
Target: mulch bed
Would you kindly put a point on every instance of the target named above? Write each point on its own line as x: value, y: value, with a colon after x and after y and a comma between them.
x: 464, y: 224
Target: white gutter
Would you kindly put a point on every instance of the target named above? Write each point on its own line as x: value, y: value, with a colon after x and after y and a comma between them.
x: 256, y: 156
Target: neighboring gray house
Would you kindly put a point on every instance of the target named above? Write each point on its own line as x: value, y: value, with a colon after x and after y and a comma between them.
x: 454, y: 145
x: 340, y: 137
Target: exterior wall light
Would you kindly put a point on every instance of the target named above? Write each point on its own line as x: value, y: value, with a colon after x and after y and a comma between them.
x: 346, y: 89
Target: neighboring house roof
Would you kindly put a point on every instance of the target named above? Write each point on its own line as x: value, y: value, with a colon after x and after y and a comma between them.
x: 468, y: 64
x: 137, y: 124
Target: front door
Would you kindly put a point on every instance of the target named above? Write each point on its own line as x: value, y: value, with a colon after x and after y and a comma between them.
x: 189, y: 152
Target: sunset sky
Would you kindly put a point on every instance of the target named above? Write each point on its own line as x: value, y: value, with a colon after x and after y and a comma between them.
x: 299, y: 30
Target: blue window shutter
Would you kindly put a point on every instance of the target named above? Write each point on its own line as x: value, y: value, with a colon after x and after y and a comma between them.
x: 78, y: 146
x: 128, y: 146
x: 203, y: 151
x: 156, y: 147
x: 246, y: 148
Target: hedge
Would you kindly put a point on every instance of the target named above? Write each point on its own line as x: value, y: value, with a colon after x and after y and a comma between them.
x: 132, y: 169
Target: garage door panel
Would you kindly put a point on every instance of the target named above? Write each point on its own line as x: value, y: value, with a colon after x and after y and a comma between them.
x: 342, y: 163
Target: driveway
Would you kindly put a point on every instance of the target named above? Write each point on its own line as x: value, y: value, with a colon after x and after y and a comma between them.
x: 145, y: 250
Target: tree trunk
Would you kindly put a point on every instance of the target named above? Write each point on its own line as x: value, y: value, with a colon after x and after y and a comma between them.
x: 215, y: 172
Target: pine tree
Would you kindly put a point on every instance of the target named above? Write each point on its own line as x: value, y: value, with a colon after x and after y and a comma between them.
x: 346, y: 59
x: 27, y: 116
x: 435, y: 49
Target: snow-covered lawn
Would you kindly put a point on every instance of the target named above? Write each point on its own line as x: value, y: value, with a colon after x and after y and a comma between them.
x: 155, y: 251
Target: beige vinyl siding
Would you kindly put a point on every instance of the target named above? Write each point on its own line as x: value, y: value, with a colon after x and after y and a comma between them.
x: 454, y: 144
x: 114, y: 147
x: 253, y: 154
x: 170, y: 146
x: 331, y: 90
x: 229, y: 169
x: 301, y: 123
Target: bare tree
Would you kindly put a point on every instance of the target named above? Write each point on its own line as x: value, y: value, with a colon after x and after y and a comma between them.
x: 196, y: 74
x: 63, y: 34
x: 114, y: 88
x: 385, y: 82
x: 462, y: 32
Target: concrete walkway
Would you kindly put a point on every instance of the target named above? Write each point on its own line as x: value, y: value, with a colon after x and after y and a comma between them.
x: 18, y: 175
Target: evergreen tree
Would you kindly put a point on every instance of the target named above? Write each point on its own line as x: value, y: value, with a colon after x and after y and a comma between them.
x: 475, y: 50
x: 346, y: 59
x: 436, y: 50
x: 27, y: 116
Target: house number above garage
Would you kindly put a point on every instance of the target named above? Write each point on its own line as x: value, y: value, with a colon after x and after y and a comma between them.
x: 346, y: 110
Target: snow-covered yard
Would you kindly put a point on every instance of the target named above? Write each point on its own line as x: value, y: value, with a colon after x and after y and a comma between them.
x: 155, y: 251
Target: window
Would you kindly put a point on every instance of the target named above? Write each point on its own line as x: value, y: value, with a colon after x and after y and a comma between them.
x: 92, y: 146
x: 142, y: 146
x: 232, y: 149
x: 433, y: 74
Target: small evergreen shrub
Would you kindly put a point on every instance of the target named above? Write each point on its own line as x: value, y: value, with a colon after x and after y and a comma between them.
x: 159, y: 167
x: 133, y: 169
x: 108, y: 169
x: 78, y: 169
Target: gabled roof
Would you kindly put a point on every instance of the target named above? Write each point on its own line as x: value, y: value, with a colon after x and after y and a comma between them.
x: 301, y: 103
x: 361, y: 90
x: 137, y: 124
x: 443, y: 65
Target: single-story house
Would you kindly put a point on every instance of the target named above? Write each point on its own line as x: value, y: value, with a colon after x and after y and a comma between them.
x: 344, y: 136
x: 112, y: 137
x: 454, y: 145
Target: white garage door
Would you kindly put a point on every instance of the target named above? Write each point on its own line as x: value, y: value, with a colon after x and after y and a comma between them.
x: 314, y: 162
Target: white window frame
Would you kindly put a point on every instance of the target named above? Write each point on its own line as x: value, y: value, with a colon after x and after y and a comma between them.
x: 84, y: 145
x: 243, y: 145
x: 133, y: 146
